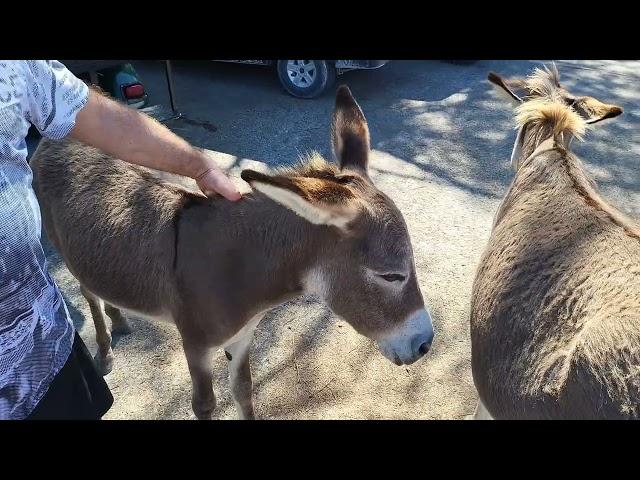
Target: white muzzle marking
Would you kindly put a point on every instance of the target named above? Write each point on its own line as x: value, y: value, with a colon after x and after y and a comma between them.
x: 409, y: 341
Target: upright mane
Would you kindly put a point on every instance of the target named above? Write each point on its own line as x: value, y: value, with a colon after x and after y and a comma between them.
x: 545, y: 112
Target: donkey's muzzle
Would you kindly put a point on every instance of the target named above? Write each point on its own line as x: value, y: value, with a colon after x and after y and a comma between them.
x: 411, y: 341
x: 424, y: 348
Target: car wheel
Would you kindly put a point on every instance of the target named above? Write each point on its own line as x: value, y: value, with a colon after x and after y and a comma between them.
x: 306, y: 78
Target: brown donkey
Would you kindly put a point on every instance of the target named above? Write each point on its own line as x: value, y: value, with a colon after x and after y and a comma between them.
x: 555, y: 313
x: 141, y: 244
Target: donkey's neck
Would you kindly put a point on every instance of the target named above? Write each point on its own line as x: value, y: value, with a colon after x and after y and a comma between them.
x: 537, y: 138
x: 262, y: 251
x: 543, y: 147
x: 553, y: 168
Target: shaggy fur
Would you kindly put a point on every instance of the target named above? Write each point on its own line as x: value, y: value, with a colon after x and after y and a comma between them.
x: 555, y: 314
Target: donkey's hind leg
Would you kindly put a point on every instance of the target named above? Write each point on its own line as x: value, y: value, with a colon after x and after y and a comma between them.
x: 119, y: 323
x: 104, y: 355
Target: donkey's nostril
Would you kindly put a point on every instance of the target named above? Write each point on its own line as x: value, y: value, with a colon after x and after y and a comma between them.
x: 424, y: 348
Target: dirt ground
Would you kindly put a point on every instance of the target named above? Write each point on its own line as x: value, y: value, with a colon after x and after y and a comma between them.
x: 441, y: 141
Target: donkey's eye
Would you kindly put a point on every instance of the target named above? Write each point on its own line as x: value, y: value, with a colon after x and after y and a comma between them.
x: 392, y: 277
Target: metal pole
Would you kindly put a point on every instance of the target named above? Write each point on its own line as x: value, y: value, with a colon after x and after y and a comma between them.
x: 169, y: 74
x: 93, y: 78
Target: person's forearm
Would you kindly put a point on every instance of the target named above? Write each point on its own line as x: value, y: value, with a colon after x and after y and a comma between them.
x: 129, y: 135
x: 126, y: 134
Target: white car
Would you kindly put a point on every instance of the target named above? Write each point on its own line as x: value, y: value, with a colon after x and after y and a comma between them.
x: 311, y: 78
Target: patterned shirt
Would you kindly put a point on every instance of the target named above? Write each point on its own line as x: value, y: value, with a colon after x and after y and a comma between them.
x: 36, y: 332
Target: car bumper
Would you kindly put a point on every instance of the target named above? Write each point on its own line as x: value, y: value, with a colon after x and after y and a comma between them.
x: 360, y: 64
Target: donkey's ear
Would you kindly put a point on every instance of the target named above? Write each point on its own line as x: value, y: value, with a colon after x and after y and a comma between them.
x: 350, y: 133
x: 594, y: 111
x: 317, y: 200
x: 506, y: 87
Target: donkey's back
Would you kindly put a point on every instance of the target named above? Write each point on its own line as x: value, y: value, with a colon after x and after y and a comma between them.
x: 555, y: 307
x: 104, y: 215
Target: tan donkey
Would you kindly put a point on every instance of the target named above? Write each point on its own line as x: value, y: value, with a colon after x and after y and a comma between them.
x: 555, y: 313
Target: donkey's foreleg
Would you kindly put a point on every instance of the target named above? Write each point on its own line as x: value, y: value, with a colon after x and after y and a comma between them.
x: 240, y: 376
x: 104, y: 355
x: 203, y: 400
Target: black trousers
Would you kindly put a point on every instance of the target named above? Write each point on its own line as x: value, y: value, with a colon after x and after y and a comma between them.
x: 78, y: 392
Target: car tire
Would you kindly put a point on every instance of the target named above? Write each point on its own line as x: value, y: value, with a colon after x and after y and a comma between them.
x: 306, y: 78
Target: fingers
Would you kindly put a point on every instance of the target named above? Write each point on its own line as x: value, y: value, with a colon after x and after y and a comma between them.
x: 214, y: 181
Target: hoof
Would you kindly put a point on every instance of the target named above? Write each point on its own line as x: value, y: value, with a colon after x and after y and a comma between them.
x: 204, y: 415
x: 203, y: 410
x: 104, y: 364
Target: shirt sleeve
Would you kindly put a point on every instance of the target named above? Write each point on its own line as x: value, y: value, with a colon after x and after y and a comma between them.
x: 54, y: 97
